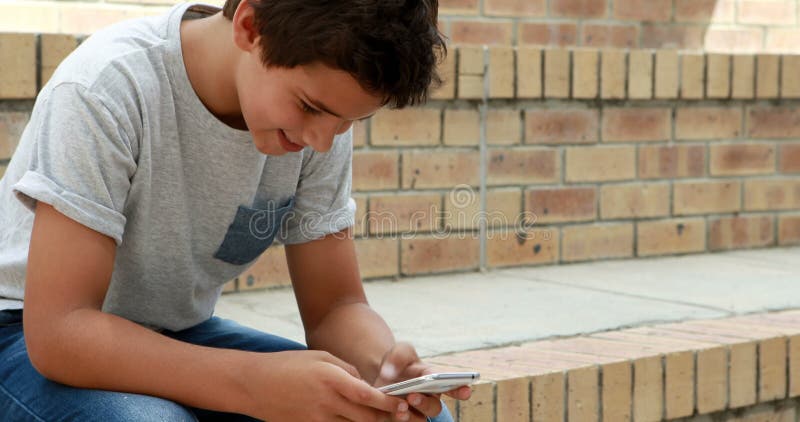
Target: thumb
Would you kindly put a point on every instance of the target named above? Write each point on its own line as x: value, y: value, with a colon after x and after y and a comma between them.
x: 394, y: 363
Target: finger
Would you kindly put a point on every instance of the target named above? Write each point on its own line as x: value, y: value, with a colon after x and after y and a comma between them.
x: 461, y: 393
x: 427, y: 405
x: 356, y: 412
x: 359, y: 392
x: 327, y: 357
x: 396, y: 360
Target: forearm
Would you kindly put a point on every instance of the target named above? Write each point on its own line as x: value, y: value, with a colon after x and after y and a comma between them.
x: 92, y: 349
x: 356, y: 334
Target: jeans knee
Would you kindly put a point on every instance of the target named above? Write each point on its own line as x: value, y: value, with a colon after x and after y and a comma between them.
x: 135, y: 407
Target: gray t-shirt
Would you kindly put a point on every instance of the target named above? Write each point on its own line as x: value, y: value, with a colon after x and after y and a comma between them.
x: 119, y: 142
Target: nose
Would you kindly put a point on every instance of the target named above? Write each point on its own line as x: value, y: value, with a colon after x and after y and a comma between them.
x: 320, y: 133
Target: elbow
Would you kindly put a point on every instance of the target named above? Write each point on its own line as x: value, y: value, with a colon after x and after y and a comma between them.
x: 41, y: 354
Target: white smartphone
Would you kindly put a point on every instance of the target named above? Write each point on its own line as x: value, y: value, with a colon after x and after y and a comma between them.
x: 433, y: 383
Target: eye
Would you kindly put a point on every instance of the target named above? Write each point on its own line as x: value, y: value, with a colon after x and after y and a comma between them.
x: 308, y: 109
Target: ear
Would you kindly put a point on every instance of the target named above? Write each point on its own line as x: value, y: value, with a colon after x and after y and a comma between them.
x: 245, y: 33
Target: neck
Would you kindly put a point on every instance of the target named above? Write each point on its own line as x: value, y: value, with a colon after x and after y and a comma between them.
x: 210, y: 57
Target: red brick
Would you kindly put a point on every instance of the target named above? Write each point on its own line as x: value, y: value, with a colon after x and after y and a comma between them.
x: 461, y: 7
x: 771, y: 194
x: 635, y: 200
x: 11, y: 126
x: 523, y: 166
x: 578, y: 8
x: 772, y: 12
x: 602, y: 35
x: 421, y: 255
x: 515, y: 8
x: 696, y: 123
x: 410, y: 126
x: 637, y: 124
x: 706, y: 197
x: 789, y: 158
x: 551, y: 34
x: 742, y: 159
x: 591, y: 242
x: 673, y: 36
x: 480, y: 32
x: 562, y: 204
x: 705, y: 11
x: 773, y: 122
x: 378, y: 257
x: 404, y: 213
x: 439, y: 169
x: 463, y: 209
x: 782, y: 40
x: 643, y: 10
x: 667, y: 162
x: 375, y: 170
x: 600, y: 163
x: 506, y: 248
x: 789, y: 230
x: 734, y: 40
x: 561, y: 126
x: 670, y: 236
x: 740, y: 232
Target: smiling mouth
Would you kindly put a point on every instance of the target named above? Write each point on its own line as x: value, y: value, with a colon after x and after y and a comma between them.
x: 287, y: 144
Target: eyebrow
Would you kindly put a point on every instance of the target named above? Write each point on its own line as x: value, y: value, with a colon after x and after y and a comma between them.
x: 325, y: 108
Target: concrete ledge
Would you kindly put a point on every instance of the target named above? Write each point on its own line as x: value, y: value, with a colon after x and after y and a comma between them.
x: 659, y: 372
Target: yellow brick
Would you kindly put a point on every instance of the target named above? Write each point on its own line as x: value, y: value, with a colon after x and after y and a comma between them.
x: 28, y: 17
x: 692, y: 76
x: 513, y: 400
x: 230, y: 286
x: 667, y: 74
x: 463, y: 208
x: 510, y: 247
x: 375, y: 170
x: 743, y: 76
x: 583, y: 400
x: 768, y: 68
x: 439, y: 169
x: 556, y: 73
x: 470, y: 60
x: 269, y: 270
x: 2, y: 170
x: 511, y: 166
x: 794, y: 366
x: 712, y: 379
x: 613, y: 74
x: 743, y: 374
x: 634, y: 200
x: 640, y: 78
x: 679, y: 377
x: 698, y: 123
x: 767, y: 194
x: 719, y: 76
x: 529, y: 72
x: 55, y: 47
x: 462, y: 127
x: 18, y: 66
x: 742, y: 159
x: 790, y: 76
x: 360, y: 227
x: 584, y: 73
x: 617, y: 386
x: 647, y: 389
x: 501, y: 72
x: 410, y: 126
x: 706, y: 197
x: 12, y: 124
x: 548, y: 397
x: 671, y: 237
x: 404, y: 213
x: 378, y: 257
x: 772, y: 369
x: 447, y: 71
x: 470, y: 87
x: 585, y: 164
x: 590, y: 242
x: 480, y: 406
x: 503, y: 127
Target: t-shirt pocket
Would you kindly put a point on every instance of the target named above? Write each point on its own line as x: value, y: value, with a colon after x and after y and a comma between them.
x: 251, y: 233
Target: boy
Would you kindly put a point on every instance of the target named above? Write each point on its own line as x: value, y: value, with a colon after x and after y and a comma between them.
x: 161, y: 159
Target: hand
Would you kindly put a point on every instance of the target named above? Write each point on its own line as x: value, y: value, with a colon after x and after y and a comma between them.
x: 401, y: 363
x: 314, y: 386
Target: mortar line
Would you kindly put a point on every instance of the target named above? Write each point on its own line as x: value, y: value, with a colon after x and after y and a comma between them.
x: 483, y: 157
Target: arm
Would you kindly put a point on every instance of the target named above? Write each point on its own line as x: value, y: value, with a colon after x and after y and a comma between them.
x: 70, y: 340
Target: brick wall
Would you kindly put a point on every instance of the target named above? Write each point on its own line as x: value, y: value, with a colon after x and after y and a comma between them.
x: 573, y: 155
x: 710, y: 25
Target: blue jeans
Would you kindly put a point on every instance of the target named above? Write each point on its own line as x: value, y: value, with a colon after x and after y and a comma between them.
x: 27, y: 396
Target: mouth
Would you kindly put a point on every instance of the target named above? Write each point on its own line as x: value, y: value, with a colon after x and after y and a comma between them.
x: 287, y: 144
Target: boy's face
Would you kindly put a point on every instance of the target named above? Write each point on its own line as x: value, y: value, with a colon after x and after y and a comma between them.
x: 288, y: 109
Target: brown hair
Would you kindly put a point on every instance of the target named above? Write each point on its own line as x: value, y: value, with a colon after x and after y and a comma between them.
x: 391, y: 47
